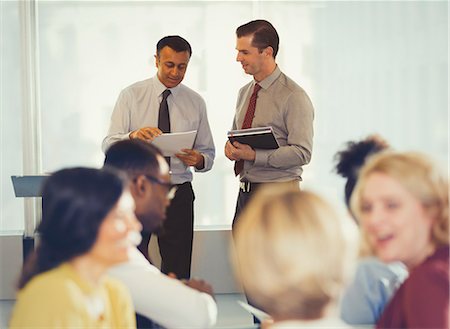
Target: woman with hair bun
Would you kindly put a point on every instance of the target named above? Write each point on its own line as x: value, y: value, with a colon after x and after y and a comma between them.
x: 375, y: 282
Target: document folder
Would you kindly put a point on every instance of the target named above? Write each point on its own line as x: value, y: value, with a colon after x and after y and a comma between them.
x: 28, y: 186
x: 257, y: 138
x: 172, y: 143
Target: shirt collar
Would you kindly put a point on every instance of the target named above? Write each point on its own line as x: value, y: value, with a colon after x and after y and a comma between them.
x: 267, y: 82
x: 159, y: 87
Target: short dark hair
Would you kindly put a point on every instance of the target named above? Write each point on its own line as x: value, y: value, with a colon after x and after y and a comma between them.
x: 134, y: 157
x: 77, y: 200
x: 174, y: 42
x: 264, y: 35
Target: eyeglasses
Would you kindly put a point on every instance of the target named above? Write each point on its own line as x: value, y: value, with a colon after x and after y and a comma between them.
x: 171, y: 189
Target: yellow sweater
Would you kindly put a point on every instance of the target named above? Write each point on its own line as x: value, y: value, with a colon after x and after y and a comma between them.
x: 59, y: 298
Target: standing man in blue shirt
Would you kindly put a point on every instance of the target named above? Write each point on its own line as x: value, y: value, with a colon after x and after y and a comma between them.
x: 270, y: 99
x: 160, y: 104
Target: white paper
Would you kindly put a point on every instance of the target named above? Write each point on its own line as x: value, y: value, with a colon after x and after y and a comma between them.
x: 172, y: 143
x: 260, y: 315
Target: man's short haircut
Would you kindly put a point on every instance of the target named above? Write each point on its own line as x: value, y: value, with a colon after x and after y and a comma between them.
x: 174, y: 42
x: 134, y: 157
x: 264, y: 35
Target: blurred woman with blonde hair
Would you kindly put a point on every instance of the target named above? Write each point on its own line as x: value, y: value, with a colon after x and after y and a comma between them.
x: 293, y: 257
x: 401, y: 201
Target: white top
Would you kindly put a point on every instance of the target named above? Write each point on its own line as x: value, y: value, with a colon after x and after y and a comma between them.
x: 138, y: 107
x: 166, y: 301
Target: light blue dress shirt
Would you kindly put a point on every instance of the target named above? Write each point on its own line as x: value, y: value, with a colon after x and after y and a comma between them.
x: 138, y: 107
x: 372, y: 288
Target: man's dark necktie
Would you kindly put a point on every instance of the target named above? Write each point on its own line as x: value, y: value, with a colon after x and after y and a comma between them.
x: 249, y: 115
x: 164, y: 118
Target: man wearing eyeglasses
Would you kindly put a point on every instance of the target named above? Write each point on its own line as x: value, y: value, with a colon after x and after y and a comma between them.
x: 158, y: 299
x: 160, y: 104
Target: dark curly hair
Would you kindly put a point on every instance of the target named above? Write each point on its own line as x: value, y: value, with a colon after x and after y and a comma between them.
x: 350, y: 160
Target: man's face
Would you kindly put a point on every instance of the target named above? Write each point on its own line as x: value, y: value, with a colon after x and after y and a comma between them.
x: 171, y: 66
x: 152, y: 203
x: 251, y: 59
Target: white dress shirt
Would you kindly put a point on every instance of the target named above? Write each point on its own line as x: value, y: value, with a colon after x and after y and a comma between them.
x: 166, y: 301
x: 138, y: 107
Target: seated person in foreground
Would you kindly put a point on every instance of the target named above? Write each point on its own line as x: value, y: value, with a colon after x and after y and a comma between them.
x: 375, y: 282
x: 157, y: 297
x: 88, y: 225
x: 401, y: 201
x: 294, y: 257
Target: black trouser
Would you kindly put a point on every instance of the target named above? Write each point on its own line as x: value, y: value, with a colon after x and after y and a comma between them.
x: 244, y: 196
x: 242, y: 200
x: 175, y: 239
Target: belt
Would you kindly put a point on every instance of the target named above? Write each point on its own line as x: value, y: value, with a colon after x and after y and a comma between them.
x: 185, y: 183
x: 247, y: 187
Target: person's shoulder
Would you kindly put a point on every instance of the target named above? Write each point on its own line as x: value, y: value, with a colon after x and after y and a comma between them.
x: 244, y: 89
x: 136, y: 262
x: 46, y: 301
x: 51, y: 281
x: 246, y: 86
x: 375, y: 267
x: 53, y: 289
x: 434, y: 270
x: 186, y: 91
x: 290, y: 84
x: 115, y: 287
x: 139, y: 85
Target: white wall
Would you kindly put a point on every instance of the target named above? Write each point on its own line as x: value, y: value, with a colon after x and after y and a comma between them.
x: 371, y: 66
x: 11, y: 260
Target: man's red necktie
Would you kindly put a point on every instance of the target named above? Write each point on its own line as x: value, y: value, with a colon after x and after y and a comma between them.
x: 239, y: 165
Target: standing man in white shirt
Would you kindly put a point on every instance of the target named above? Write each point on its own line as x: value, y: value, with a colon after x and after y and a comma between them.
x: 160, y: 104
x: 158, y: 299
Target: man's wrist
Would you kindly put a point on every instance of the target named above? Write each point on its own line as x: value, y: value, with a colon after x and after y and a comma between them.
x: 201, y: 163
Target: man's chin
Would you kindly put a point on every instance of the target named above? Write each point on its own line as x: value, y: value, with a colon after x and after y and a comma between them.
x: 152, y: 223
x: 158, y: 230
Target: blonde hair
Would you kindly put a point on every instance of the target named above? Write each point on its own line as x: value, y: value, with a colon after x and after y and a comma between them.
x: 294, y: 256
x: 418, y: 175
